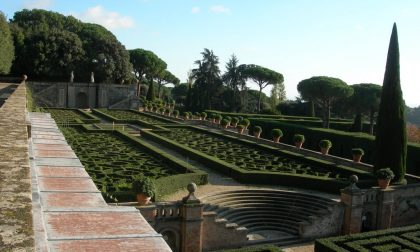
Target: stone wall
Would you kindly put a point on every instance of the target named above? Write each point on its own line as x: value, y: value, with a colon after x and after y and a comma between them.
x: 84, y: 95
x: 406, y: 208
x: 15, y: 193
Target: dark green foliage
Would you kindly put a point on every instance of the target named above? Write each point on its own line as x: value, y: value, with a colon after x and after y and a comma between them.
x: 343, y: 141
x: 276, y: 133
x: 249, y: 162
x: 70, y: 116
x: 297, y: 138
x: 391, y: 136
x: 395, y: 239
x: 235, y: 120
x: 50, y: 45
x: 224, y: 122
x: 357, y: 151
x: 324, y: 91
x: 257, y: 129
x: 325, y: 143
x: 127, y: 115
x: 176, y: 113
x: 384, y: 173
x: 7, y: 50
x: 263, y: 77
x: 204, y: 115
x: 150, y: 96
x: 234, y: 79
x: 260, y: 248
x: 245, y: 122
x: 357, y: 123
x: 142, y: 184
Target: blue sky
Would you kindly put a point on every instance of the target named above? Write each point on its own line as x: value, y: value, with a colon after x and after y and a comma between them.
x: 298, y: 38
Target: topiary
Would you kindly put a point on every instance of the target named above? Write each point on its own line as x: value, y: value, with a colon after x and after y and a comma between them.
x: 384, y: 173
x: 276, y: 133
x: 204, y: 115
x: 325, y: 143
x: 297, y: 138
x: 224, y: 122
x: 257, y: 129
x: 176, y: 113
x: 142, y: 184
x: 357, y: 151
x: 245, y: 122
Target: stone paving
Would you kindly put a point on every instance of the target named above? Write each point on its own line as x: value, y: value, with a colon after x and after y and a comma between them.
x: 15, y: 192
x: 70, y: 211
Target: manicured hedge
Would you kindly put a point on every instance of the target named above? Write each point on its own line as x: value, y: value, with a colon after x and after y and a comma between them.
x: 70, y: 116
x: 260, y: 248
x: 269, y: 177
x: 396, y: 239
x: 343, y: 142
x: 101, y: 113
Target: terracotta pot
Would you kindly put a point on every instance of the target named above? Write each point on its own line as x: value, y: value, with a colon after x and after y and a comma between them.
x: 276, y: 139
x: 383, y: 183
x: 324, y: 151
x: 298, y: 145
x: 257, y: 134
x: 357, y: 158
x: 143, y: 199
x: 225, y: 126
x: 241, y: 131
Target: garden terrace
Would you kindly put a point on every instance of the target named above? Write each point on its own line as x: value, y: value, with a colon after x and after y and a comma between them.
x: 405, y: 239
x: 342, y: 141
x: 132, y: 116
x: 249, y: 162
x: 70, y: 116
x: 113, y: 158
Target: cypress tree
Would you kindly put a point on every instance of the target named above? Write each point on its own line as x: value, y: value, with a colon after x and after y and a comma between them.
x: 150, y: 96
x: 391, y: 136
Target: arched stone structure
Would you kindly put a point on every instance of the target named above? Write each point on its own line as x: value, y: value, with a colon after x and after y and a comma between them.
x: 172, y: 238
x: 82, y: 100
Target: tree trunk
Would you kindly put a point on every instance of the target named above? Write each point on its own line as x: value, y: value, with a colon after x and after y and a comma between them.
x: 138, y: 89
x: 259, y: 100
x: 311, y: 108
x: 371, y: 119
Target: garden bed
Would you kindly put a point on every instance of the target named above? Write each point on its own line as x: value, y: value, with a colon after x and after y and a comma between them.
x: 133, y: 115
x: 396, y: 239
x: 113, y: 158
x: 70, y: 116
x: 249, y: 162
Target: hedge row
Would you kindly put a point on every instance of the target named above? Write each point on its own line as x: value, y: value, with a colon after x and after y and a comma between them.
x: 343, y: 142
x: 116, y: 120
x: 265, y: 177
x: 396, y: 239
x: 167, y: 185
x: 248, y: 115
x: 260, y: 248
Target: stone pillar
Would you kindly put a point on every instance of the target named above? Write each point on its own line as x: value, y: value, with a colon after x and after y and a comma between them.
x: 384, y: 208
x: 192, y: 222
x: 352, y: 199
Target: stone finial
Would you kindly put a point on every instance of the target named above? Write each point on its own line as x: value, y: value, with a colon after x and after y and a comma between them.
x: 92, y: 77
x: 191, y: 187
x: 71, y: 76
x: 352, y: 187
x: 24, y: 77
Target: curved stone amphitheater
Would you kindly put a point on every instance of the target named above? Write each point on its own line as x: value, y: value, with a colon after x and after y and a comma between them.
x: 274, y: 216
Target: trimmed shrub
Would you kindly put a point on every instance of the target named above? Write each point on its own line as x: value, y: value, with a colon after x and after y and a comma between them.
x: 224, y: 122
x: 142, y: 184
x: 257, y: 129
x: 325, y: 143
x: 384, y: 173
x: 276, y: 133
x: 297, y: 138
x: 175, y: 113
x: 357, y: 151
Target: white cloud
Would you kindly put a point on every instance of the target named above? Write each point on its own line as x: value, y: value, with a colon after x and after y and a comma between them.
x: 38, y: 4
x: 219, y: 9
x: 195, y: 10
x: 109, y: 19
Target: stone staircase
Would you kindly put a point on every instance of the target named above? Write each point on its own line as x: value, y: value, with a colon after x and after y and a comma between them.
x: 276, y: 216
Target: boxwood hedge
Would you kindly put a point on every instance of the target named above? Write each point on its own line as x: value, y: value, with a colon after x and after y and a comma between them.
x: 396, y: 239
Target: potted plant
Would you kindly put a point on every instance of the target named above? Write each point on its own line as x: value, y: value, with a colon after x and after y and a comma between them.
x: 240, y: 128
x: 257, y: 131
x: 176, y: 113
x: 276, y: 134
x: 234, y: 122
x: 217, y: 118
x: 357, y: 154
x: 168, y: 112
x: 245, y: 122
x: 186, y: 115
x: 384, y: 176
x: 325, y: 146
x: 298, y: 139
x: 203, y: 115
x: 162, y: 110
x: 224, y: 123
x: 198, y: 115
x: 229, y: 119
x: 144, y: 188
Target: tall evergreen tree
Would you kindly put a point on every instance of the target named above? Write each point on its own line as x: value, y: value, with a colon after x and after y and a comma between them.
x: 391, y: 136
x: 7, y: 50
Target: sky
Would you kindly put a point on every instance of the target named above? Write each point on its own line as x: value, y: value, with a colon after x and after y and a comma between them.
x: 298, y: 38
